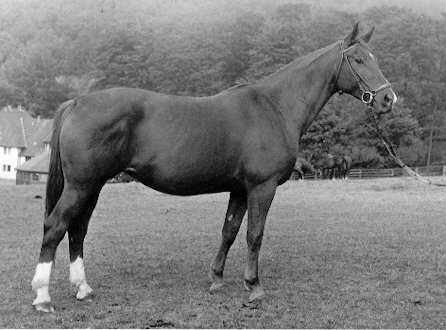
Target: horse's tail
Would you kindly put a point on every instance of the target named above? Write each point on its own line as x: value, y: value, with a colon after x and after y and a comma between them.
x: 55, y: 182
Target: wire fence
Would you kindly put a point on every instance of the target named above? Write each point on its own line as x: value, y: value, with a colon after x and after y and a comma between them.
x: 369, y: 173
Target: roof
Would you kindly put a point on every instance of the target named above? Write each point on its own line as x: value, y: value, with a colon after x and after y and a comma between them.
x: 18, y: 129
x: 38, y: 164
x: 12, y: 127
x: 41, y: 134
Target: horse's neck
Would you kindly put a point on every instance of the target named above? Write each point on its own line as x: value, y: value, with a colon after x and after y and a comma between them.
x: 303, y: 87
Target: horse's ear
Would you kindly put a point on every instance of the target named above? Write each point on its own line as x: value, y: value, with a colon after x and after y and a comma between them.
x: 368, y: 35
x: 351, y: 38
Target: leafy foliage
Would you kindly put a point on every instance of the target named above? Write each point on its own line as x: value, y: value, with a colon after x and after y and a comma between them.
x: 53, y: 50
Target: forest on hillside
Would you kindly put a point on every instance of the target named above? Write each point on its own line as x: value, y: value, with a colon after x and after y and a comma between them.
x: 51, y: 51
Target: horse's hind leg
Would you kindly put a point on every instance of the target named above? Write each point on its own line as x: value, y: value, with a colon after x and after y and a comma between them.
x: 77, y: 230
x: 234, y: 215
x: 70, y: 207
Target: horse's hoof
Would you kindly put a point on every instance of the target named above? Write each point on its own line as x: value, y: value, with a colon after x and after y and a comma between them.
x: 257, y: 294
x: 45, y: 307
x: 256, y: 290
x: 85, y: 296
x: 216, y: 286
x: 85, y: 293
x: 217, y: 281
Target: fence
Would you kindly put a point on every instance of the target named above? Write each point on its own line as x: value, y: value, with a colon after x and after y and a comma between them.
x: 367, y: 173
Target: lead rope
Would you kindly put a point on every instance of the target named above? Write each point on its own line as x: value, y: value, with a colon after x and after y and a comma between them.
x: 392, y: 153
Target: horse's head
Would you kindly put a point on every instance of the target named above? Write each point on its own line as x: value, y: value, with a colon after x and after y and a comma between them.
x: 358, y: 73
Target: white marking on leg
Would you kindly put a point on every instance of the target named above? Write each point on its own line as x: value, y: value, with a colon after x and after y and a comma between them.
x: 77, y: 272
x: 77, y: 277
x: 43, y: 296
x: 41, y: 282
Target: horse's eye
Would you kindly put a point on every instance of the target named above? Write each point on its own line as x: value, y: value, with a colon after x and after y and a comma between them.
x: 359, y: 60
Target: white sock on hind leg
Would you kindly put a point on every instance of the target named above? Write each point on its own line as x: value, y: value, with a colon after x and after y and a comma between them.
x: 41, y: 282
x: 77, y: 277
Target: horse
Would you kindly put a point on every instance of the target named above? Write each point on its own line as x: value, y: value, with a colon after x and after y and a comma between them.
x: 302, y: 166
x: 339, y: 166
x: 325, y: 165
x: 346, y: 166
x: 243, y: 140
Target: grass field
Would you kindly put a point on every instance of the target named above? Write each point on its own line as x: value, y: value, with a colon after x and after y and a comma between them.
x: 353, y: 254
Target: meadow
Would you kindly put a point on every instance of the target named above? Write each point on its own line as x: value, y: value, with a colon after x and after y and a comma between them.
x: 342, y: 254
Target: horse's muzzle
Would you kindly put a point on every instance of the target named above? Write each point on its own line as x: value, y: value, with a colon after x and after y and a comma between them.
x: 384, y: 101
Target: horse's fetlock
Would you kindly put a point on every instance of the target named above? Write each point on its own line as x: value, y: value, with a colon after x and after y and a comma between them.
x: 38, y: 283
x: 252, y: 281
x: 216, y: 272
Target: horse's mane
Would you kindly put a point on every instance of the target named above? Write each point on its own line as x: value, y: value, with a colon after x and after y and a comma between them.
x: 304, y: 60
x: 297, y: 64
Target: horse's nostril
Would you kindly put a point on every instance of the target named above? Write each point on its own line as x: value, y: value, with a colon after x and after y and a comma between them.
x: 388, y: 99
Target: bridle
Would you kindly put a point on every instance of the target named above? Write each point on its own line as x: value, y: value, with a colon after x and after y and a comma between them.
x: 367, y: 92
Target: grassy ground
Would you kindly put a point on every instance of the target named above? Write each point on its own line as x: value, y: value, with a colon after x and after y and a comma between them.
x: 338, y: 254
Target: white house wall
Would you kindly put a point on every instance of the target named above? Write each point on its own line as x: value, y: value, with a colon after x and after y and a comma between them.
x: 12, y: 159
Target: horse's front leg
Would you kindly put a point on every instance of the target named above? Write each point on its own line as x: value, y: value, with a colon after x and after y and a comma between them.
x: 234, y: 216
x: 259, y: 201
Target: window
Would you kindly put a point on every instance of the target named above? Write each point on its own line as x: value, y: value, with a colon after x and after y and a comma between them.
x: 7, y: 150
x: 6, y: 168
x: 27, y: 158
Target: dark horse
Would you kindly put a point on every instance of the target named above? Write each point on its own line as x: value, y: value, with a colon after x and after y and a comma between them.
x: 301, y: 167
x: 242, y: 140
x: 344, y: 166
x: 326, y: 165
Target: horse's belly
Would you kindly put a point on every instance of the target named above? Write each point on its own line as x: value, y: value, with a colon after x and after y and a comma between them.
x: 187, y: 185
x: 182, y: 178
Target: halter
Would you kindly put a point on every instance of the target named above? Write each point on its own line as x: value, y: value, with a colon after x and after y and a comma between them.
x: 368, y: 93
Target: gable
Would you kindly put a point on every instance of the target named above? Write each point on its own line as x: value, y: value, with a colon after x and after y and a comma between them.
x: 38, y: 136
x: 18, y: 129
x: 38, y: 164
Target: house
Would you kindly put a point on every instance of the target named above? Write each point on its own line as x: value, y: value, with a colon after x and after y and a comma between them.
x: 22, y: 137
x: 34, y: 170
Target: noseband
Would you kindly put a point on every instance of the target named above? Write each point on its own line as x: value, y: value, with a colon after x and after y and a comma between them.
x: 367, y: 92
